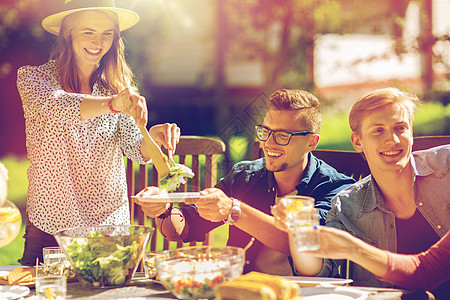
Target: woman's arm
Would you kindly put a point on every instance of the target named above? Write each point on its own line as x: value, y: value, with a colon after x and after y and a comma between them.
x: 127, y: 101
x: 425, y: 270
x: 94, y: 106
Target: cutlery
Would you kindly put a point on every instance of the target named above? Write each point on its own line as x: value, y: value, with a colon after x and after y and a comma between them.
x: 155, y: 153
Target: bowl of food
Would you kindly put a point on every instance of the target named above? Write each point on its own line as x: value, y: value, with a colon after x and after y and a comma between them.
x: 107, y: 255
x: 196, y: 272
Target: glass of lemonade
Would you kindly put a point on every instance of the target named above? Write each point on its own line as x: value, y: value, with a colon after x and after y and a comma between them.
x: 303, y: 219
x: 51, y: 287
x: 10, y: 222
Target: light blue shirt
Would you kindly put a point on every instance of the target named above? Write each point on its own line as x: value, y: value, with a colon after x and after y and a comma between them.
x: 361, y: 210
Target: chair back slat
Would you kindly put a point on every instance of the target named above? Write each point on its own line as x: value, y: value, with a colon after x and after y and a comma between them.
x: 182, y: 160
x: 211, y: 167
x: 427, y: 142
x: 195, y: 181
x: 190, y: 148
x: 350, y: 163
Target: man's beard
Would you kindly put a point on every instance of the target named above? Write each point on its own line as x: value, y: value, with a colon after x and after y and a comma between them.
x: 283, y: 167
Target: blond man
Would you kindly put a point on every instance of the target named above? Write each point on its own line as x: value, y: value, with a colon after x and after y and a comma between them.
x: 403, y: 206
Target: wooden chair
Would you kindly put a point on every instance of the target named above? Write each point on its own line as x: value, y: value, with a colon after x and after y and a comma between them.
x: 426, y: 142
x: 198, y: 153
x: 350, y: 163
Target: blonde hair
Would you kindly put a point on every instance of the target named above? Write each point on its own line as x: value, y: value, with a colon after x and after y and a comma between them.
x: 304, y: 102
x: 113, y: 73
x: 378, y: 99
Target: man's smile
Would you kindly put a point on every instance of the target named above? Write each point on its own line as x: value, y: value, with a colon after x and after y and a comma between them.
x: 391, y: 152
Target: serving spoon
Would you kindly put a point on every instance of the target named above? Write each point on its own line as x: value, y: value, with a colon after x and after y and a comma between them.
x: 155, y: 153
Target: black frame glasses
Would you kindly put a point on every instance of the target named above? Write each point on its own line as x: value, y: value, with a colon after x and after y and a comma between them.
x: 280, y: 137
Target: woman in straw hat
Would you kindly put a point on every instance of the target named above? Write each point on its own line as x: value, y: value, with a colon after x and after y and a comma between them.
x: 79, y: 110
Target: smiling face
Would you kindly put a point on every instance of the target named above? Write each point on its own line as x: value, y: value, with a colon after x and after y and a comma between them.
x: 292, y: 157
x: 92, y: 38
x: 386, y: 138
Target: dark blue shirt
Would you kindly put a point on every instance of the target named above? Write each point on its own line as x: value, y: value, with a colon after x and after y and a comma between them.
x: 251, y: 183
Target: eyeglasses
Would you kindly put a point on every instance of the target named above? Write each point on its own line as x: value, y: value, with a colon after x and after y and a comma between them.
x: 280, y: 137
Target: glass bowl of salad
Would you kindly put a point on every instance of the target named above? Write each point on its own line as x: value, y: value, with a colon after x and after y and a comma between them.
x: 104, y: 256
x: 196, y: 272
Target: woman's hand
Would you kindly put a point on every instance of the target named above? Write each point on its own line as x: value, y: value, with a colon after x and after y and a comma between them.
x: 151, y: 209
x: 167, y: 134
x: 131, y: 103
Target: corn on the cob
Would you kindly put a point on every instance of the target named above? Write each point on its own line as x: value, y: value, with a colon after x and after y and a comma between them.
x: 282, y: 287
x: 244, y: 290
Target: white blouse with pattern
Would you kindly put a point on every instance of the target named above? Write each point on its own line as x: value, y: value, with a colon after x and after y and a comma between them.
x: 77, y: 173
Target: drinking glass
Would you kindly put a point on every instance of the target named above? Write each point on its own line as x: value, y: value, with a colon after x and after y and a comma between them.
x: 54, y: 259
x: 51, y: 287
x: 149, y: 264
x: 10, y: 223
x: 302, y: 218
x: 53, y: 255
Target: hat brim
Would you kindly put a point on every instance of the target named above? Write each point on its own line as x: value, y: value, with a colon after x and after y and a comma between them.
x: 127, y: 18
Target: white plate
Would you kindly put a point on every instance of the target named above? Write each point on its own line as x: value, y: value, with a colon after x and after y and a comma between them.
x: 13, y: 291
x: 170, y: 197
x: 305, y: 281
x: 334, y: 293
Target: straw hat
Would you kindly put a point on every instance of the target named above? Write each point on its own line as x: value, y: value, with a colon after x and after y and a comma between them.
x: 127, y: 18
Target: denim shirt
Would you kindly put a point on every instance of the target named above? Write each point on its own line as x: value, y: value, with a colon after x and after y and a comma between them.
x: 251, y: 183
x: 361, y: 210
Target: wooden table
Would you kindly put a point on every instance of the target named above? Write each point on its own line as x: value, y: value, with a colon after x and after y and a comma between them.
x: 142, y: 288
x: 139, y: 288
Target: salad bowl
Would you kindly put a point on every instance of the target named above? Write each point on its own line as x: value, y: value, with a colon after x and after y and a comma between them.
x: 196, y: 272
x: 104, y: 256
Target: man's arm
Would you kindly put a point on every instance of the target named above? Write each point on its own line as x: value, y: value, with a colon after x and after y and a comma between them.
x: 214, y: 206
x: 339, y: 244
x: 184, y: 224
x: 261, y: 226
x: 425, y: 270
x: 173, y: 226
x: 305, y: 264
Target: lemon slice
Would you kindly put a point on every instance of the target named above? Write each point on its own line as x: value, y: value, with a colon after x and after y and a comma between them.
x: 294, y: 206
x: 9, y: 214
x: 49, y: 293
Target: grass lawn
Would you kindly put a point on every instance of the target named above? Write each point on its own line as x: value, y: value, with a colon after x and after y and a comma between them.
x: 431, y: 119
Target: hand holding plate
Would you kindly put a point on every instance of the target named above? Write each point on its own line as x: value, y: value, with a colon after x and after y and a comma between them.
x: 151, y: 209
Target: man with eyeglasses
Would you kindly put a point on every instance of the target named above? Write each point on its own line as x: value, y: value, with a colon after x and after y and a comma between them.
x: 244, y: 197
